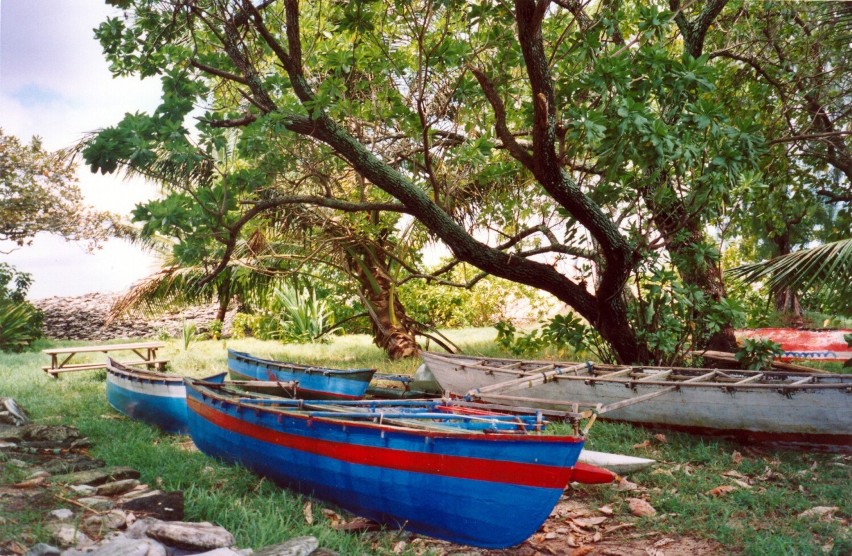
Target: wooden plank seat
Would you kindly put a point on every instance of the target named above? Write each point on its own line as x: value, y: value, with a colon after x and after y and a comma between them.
x: 60, y: 357
x: 159, y: 364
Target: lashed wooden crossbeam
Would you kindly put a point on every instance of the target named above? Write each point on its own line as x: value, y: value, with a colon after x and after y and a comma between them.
x: 537, y: 376
x: 656, y: 376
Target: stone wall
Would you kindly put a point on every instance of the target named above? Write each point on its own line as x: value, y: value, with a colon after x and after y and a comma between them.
x: 83, y: 318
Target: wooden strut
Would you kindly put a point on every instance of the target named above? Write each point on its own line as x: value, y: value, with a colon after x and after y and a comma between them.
x: 664, y: 378
x: 536, y: 376
x: 599, y: 409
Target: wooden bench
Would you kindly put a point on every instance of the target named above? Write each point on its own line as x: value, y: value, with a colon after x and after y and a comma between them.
x: 60, y: 357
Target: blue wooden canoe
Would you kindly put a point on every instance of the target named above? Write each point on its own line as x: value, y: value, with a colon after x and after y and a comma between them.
x: 485, y: 480
x: 154, y: 397
x: 313, y: 382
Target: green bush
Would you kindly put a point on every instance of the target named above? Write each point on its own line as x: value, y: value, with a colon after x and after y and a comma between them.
x: 758, y: 354
x: 566, y: 334
x: 244, y: 325
x: 290, y: 314
x: 20, y: 321
x: 188, y: 334
x: 214, y: 329
x: 674, y: 318
x: 20, y: 325
x: 487, y: 302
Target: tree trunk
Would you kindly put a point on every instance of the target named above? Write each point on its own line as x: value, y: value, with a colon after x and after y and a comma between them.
x: 787, y: 300
x: 682, y: 233
x: 224, y: 295
x: 393, y: 330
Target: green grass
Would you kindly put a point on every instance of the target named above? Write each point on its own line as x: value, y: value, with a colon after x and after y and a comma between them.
x: 760, y: 520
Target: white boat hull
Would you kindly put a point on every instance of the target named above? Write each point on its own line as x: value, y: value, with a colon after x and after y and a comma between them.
x: 817, y: 417
x: 617, y: 463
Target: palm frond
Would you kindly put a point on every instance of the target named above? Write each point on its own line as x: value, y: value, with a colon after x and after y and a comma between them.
x: 827, y: 267
x: 168, y: 289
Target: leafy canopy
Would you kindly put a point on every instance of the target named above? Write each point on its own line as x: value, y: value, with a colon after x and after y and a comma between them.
x: 39, y: 193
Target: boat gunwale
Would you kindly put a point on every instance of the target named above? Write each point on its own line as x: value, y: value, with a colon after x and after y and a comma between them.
x: 140, y: 375
x: 819, y: 379
x: 205, y: 391
x: 298, y: 367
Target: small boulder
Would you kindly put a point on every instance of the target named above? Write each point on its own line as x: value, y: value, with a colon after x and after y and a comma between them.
x: 84, y: 490
x: 299, y: 546
x: 62, y: 514
x: 115, y: 488
x: 111, y: 520
x: 199, y: 536
x: 96, y: 477
x: 12, y: 413
x: 124, y: 546
x: 43, y: 549
x: 68, y: 535
x: 96, y: 503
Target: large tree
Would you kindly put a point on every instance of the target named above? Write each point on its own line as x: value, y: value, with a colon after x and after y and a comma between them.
x: 787, y: 66
x: 39, y: 193
x: 443, y: 106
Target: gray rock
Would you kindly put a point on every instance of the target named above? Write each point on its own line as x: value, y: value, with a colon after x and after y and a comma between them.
x: 17, y: 463
x: 62, y: 514
x: 117, y: 487
x: 221, y: 552
x: 299, y: 546
x: 81, y: 443
x: 15, y: 415
x: 95, y: 477
x: 10, y: 433
x: 50, y: 433
x: 139, y: 528
x: 123, y: 546
x: 83, y: 318
x: 97, y: 503
x: 200, y: 536
x: 84, y: 490
x: 72, y: 463
x: 139, y: 491
x: 113, y: 519
x: 68, y: 535
x: 42, y: 549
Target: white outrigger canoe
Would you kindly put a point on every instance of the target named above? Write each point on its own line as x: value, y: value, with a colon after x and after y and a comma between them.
x: 787, y: 408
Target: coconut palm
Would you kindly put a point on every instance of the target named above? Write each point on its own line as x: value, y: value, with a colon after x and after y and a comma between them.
x: 826, y: 268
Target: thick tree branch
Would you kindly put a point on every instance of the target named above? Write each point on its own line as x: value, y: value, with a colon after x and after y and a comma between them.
x: 519, y: 153
x: 695, y: 31
x: 237, y: 122
x: 219, y: 73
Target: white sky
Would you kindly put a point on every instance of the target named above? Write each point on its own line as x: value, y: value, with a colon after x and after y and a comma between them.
x: 55, y: 83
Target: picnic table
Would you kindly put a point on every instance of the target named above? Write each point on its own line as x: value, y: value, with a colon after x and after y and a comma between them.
x: 60, y: 357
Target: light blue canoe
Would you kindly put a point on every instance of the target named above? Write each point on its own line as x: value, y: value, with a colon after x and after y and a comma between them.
x: 154, y: 397
x: 313, y: 382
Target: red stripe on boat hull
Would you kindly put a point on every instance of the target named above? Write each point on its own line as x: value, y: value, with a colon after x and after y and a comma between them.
x: 526, y: 474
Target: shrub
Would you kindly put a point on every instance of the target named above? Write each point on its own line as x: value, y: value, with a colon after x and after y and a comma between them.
x: 244, y: 325
x: 214, y: 329
x: 20, y: 325
x: 758, y: 354
x: 487, y: 302
x: 188, y: 334
x: 20, y: 321
x: 290, y: 314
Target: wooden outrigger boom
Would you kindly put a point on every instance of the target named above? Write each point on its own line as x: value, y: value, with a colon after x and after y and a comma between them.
x: 813, y: 409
